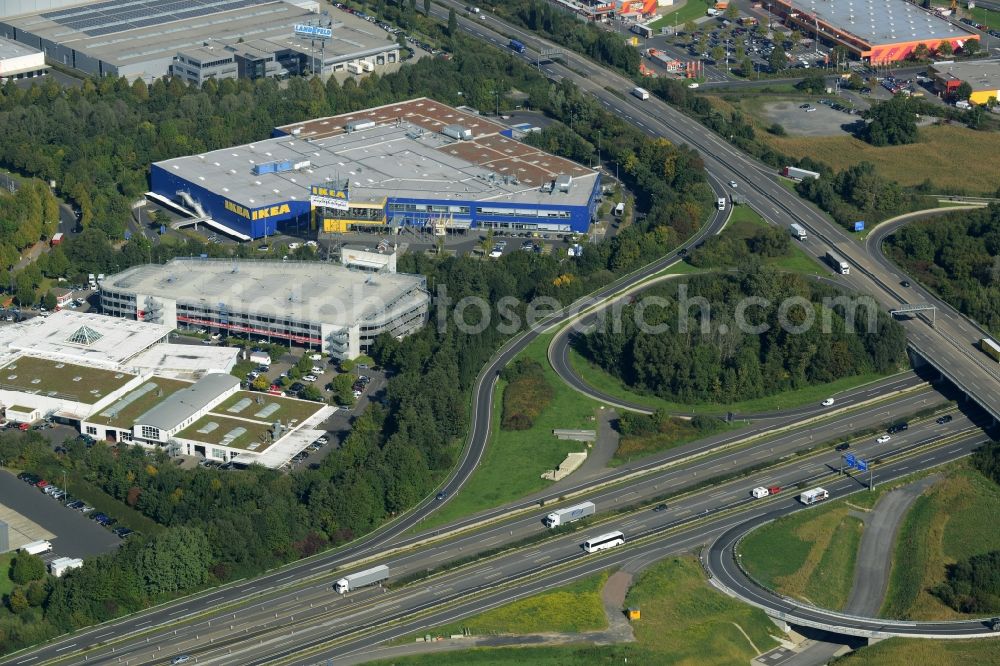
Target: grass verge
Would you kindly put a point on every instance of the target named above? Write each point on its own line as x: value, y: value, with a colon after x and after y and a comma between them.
x: 895, y: 651
x: 514, y: 460
x: 684, y: 621
x: 943, y: 526
x: 574, y: 608
x: 745, y: 221
x: 689, y: 11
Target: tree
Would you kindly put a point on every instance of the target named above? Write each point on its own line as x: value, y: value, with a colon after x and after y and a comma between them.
x: 964, y: 91
x: 970, y: 47
x: 795, y: 38
x: 27, y: 568
x: 690, y: 27
x: 261, y: 383
x: 49, y: 301
x: 891, y: 123
x: 778, y: 60
x: 311, y: 393
x: 17, y: 602
x: 427, y: 7
x: 718, y: 54
x: 921, y: 52
x: 732, y: 12
x: 813, y: 82
x: 452, y: 22
x: 945, y: 49
x: 342, y: 389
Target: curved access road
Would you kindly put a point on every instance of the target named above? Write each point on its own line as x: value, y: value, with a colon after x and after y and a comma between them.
x: 728, y: 575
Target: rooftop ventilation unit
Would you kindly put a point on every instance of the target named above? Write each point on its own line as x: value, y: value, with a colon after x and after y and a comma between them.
x: 563, y: 181
x: 358, y: 125
x: 457, y: 132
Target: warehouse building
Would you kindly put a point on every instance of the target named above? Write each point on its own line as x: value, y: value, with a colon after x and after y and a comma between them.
x: 194, y: 39
x: 982, y: 76
x: 319, y: 305
x: 19, y: 61
x: 416, y: 163
x: 875, y: 31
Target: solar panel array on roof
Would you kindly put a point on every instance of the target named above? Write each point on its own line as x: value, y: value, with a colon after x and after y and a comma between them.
x: 104, y: 18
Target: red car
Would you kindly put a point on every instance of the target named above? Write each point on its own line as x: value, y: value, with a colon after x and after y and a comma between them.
x: 23, y: 426
x: 774, y: 490
x: 41, y: 484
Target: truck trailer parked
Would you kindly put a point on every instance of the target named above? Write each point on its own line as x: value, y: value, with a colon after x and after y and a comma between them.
x: 570, y: 514
x: 36, y: 547
x: 641, y: 93
x: 798, y: 174
x: 797, y: 231
x: 361, y: 579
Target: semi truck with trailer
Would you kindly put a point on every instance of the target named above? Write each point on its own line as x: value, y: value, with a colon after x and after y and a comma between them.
x: 515, y: 45
x: 641, y: 93
x: 812, y: 496
x: 797, y: 173
x: 361, y: 579
x: 797, y: 231
x: 569, y: 514
x: 838, y: 264
x: 990, y: 348
x: 36, y: 547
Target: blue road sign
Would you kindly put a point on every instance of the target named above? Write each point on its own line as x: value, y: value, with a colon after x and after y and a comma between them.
x: 862, y: 465
x: 850, y: 459
x: 859, y: 226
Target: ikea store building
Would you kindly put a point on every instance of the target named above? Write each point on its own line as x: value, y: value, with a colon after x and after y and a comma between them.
x: 416, y: 163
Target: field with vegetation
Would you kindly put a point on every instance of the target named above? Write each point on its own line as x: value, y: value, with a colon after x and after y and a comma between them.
x: 684, y: 622
x: 896, y: 651
x: 944, y: 526
x: 809, y: 555
x: 574, y: 608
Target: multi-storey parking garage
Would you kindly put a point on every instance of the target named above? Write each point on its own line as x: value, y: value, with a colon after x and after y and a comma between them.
x: 320, y: 305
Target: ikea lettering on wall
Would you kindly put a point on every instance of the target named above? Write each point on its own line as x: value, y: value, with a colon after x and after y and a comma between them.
x: 257, y: 213
x: 326, y: 197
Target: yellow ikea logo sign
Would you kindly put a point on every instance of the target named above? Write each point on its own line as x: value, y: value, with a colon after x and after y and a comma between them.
x: 257, y: 213
x: 327, y: 192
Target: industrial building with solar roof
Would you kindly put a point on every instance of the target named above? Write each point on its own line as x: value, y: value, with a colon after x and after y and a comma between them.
x: 416, y: 163
x: 198, y: 39
x: 876, y: 31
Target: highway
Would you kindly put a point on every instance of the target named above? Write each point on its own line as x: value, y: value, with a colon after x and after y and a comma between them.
x: 949, y: 346
x: 287, y: 621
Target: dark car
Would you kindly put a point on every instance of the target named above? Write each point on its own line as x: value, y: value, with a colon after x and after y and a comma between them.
x: 904, y: 283
x: 660, y: 507
x: 441, y: 495
x: 944, y: 419
x: 297, y: 386
x: 897, y: 427
x: 682, y: 252
x: 843, y: 447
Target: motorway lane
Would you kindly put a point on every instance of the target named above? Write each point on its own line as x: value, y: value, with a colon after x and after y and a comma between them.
x: 949, y: 345
x: 312, y: 602
x: 461, y: 593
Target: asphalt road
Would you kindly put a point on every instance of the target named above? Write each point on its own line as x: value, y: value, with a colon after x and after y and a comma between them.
x: 871, y: 577
x: 949, y: 345
x: 290, y: 597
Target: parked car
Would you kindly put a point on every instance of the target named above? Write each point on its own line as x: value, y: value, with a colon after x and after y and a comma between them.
x: 310, y: 378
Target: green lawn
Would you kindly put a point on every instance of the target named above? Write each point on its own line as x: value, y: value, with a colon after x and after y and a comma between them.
x: 84, y: 383
x: 514, y: 460
x: 690, y: 10
x: 124, y: 412
x: 677, y: 432
x: 574, y: 608
x: 684, y: 622
x: 895, y: 651
x: 602, y: 381
x: 6, y: 584
x: 943, y: 526
x: 745, y: 221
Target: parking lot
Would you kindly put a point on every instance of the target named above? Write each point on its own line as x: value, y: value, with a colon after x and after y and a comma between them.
x: 814, y: 120
x: 74, y: 534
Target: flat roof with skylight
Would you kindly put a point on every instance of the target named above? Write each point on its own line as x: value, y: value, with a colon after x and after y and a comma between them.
x: 46, y: 377
x: 124, y: 412
x: 247, y: 420
x: 879, y: 21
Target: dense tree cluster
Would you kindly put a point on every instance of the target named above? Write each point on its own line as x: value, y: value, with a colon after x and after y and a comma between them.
x: 527, y: 394
x: 725, y: 250
x: 957, y: 256
x: 973, y: 584
x: 691, y: 353
x: 857, y: 193
x: 891, y: 123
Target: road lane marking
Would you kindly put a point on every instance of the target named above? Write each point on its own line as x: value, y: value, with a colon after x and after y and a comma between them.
x: 65, y: 647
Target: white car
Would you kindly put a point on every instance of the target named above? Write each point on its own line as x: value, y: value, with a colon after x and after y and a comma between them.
x: 828, y: 402
x: 315, y: 357
x: 316, y: 370
x: 309, y: 378
x: 732, y: 183
x: 883, y: 439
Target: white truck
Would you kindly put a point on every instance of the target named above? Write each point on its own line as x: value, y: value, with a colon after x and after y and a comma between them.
x: 721, y: 203
x: 569, y: 514
x: 61, y: 565
x: 838, y: 263
x: 641, y: 93
x: 36, y: 547
x: 813, y: 496
x: 361, y: 579
x: 797, y: 231
x: 798, y: 174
